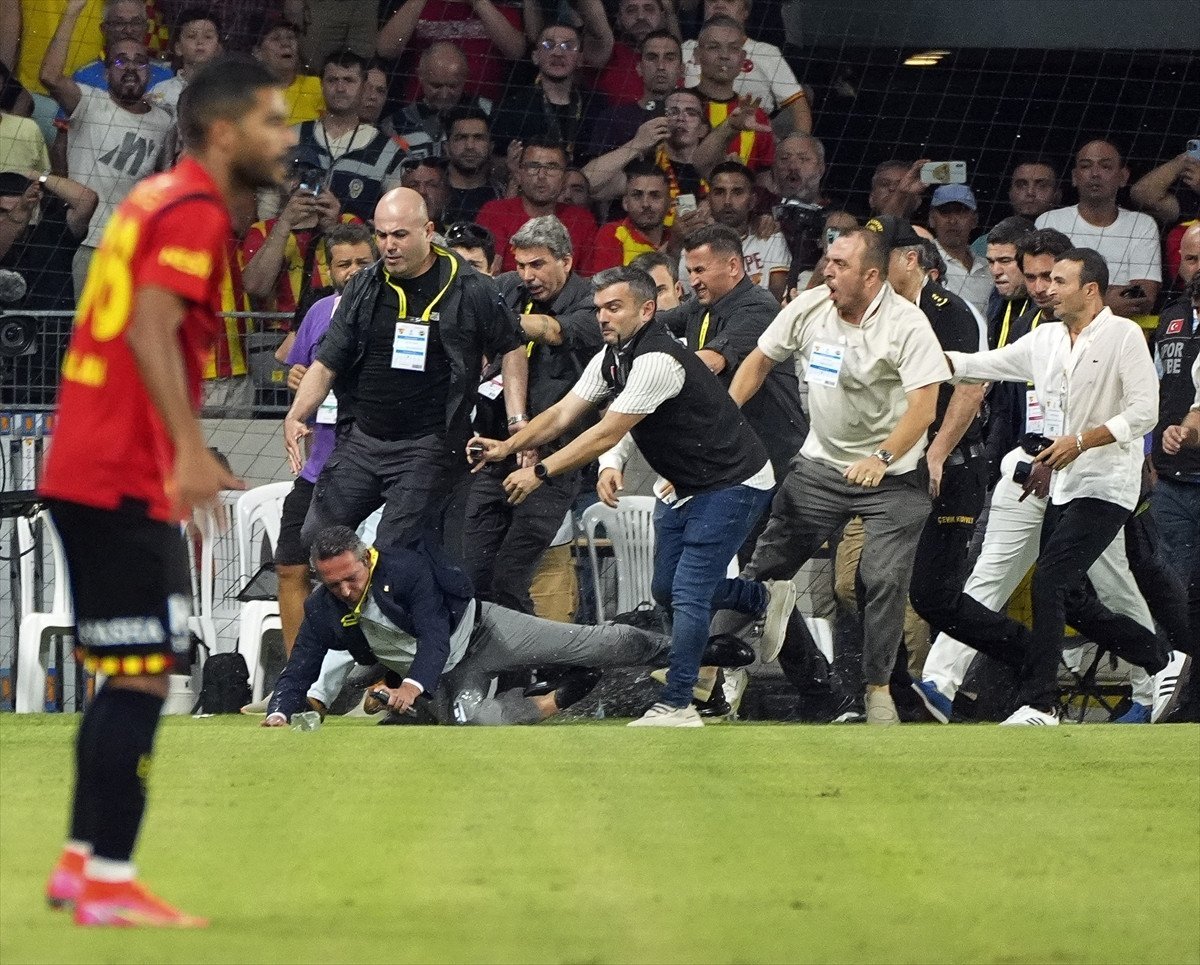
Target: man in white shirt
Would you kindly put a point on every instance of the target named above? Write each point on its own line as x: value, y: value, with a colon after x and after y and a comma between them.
x: 1127, y: 240
x: 952, y: 218
x: 116, y: 137
x: 874, y: 367
x: 1096, y: 384
x: 765, y: 74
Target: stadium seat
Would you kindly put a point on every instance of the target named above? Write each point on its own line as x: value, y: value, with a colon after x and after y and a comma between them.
x: 35, y: 625
x: 257, y: 514
x: 630, y: 530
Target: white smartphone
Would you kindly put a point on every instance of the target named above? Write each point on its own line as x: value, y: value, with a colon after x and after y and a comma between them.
x: 685, y: 204
x: 944, y: 172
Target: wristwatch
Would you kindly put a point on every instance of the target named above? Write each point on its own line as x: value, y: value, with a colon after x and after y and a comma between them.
x: 883, y: 456
x: 541, y: 471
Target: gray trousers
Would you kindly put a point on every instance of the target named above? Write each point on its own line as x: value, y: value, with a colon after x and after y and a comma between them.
x: 411, y: 478
x: 814, y: 501
x: 508, y: 640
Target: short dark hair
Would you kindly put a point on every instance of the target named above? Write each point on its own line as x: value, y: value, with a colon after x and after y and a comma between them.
x: 874, y: 254
x: 348, y: 233
x: 722, y: 239
x: 656, y: 259
x: 930, y: 259
x: 732, y: 167
x: 1036, y: 159
x: 1010, y: 231
x: 468, y: 234
x: 543, y: 143
x: 1042, y: 241
x: 639, y: 282
x: 645, y: 169
x: 722, y: 20
x: 895, y: 164
x: 334, y: 541
x: 191, y: 15
x: 1092, y: 266
x: 465, y: 112
x: 271, y: 24
x: 222, y: 90
x: 658, y: 35
x: 345, y: 57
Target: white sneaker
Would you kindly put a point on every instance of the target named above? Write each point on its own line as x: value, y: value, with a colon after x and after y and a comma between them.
x: 1030, y: 715
x: 664, y: 715
x: 1168, y: 685
x: 881, y: 709
x: 781, y: 601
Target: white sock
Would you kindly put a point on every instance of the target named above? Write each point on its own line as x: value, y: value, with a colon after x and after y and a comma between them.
x: 102, y: 869
x: 81, y: 848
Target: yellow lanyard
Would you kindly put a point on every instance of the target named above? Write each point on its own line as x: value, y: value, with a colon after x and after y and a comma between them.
x: 703, y: 331
x: 532, y: 342
x: 1004, y: 325
x: 1032, y: 325
x: 351, y: 618
x: 403, y: 299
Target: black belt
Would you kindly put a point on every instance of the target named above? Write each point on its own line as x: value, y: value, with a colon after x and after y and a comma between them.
x: 960, y: 456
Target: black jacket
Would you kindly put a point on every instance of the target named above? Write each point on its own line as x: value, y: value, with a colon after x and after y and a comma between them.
x: 474, y: 322
x: 417, y: 588
x: 735, y: 323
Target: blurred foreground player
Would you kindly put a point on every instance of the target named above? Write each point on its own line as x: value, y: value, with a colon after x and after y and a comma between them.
x: 129, y: 460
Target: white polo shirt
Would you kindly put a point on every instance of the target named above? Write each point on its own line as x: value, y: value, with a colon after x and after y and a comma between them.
x: 858, y: 375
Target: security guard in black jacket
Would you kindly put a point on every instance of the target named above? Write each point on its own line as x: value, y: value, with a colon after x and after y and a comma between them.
x: 402, y: 357
x: 555, y: 316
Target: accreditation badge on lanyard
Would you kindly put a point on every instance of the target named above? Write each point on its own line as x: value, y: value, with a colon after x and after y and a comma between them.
x: 825, y: 364
x: 410, y: 343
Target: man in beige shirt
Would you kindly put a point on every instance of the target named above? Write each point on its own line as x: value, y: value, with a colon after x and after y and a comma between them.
x: 873, y: 370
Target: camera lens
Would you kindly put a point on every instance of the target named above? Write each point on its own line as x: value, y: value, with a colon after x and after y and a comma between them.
x: 17, y: 335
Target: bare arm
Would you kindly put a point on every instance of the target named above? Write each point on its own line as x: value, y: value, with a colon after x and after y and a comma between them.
x: 507, y: 38
x: 592, y: 443
x: 514, y: 366
x: 801, y: 115
x: 922, y: 410
x: 1152, y: 192
x: 1127, y: 307
x: 10, y: 32
x: 397, y: 32
x: 750, y: 376
x: 311, y: 392
x: 712, y: 150
x: 14, y: 221
x: 531, y: 15
x: 81, y: 201
x: 598, y: 35
x: 153, y: 339
x: 960, y: 413
x: 544, y: 427
x: 62, y: 87
x: 542, y: 328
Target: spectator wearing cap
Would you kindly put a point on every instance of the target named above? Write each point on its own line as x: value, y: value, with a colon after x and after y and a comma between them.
x: 43, y: 217
x: 282, y: 259
x: 541, y: 170
x: 278, y: 47
x: 116, y: 136
x: 469, y: 179
x: 361, y: 162
x: 422, y: 124
x: 474, y: 244
x: 868, y: 350
x: 554, y: 309
x: 554, y: 106
x: 953, y: 215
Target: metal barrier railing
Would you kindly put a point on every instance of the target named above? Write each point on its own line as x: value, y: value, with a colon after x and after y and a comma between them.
x: 34, y: 341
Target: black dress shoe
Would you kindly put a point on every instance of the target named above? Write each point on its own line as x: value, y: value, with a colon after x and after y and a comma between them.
x: 575, y: 686
x: 716, y: 705
x: 727, y: 650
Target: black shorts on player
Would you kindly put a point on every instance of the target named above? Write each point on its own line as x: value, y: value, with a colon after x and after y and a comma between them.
x: 289, y: 548
x: 131, y: 586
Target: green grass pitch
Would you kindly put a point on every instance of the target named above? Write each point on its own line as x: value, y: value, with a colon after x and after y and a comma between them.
x: 593, y: 843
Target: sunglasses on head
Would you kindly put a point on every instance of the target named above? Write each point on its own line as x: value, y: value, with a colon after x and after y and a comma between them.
x: 466, y: 232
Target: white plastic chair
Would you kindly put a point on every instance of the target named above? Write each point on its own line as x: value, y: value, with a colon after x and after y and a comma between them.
x: 35, y: 625
x: 630, y: 529
x: 258, y: 510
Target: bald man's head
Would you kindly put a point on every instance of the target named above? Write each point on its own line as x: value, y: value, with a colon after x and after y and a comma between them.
x: 404, y: 233
x: 442, y: 71
x: 1189, y: 254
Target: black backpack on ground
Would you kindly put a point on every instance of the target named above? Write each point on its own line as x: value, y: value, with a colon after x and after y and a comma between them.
x: 225, y: 685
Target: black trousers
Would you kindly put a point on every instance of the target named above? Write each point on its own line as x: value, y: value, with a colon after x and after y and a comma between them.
x: 1158, y: 581
x: 502, y: 544
x: 1074, y: 535
x: 940, y: 570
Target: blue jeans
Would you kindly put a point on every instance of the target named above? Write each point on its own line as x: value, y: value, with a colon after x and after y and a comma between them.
x: 693, y: 547
x: 1176, y: 510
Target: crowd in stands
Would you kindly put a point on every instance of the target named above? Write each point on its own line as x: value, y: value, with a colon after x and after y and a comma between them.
x: 552, y: 143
